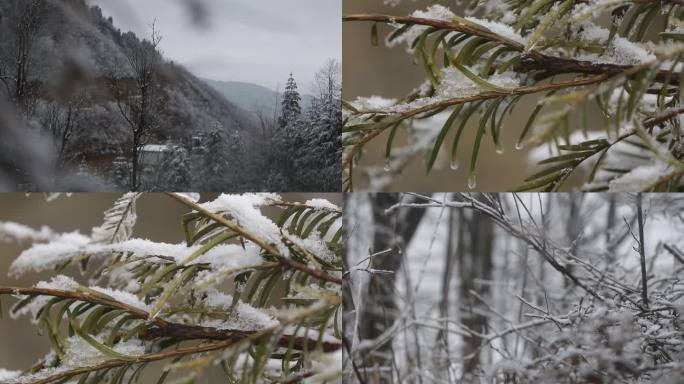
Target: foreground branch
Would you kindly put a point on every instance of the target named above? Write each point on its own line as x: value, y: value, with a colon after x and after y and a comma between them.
x: 160, y: 328
x: 539, y: 61
x: 285, y: 261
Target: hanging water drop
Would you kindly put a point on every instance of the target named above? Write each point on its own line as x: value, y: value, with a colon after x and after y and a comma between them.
x: 499, y: 148
x: 472, y: 181
x: 388, y: 165
x: 455, y: 164
x: 519, y: 145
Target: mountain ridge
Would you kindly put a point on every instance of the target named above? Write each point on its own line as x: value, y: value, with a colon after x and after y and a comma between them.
x: 253, y: 97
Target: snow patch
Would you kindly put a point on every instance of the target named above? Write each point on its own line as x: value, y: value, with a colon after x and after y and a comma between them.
x: 243, y: 208
x: 46, y: 256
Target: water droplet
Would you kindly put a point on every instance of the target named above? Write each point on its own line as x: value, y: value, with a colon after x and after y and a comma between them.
x: 472, y: 181
x: 388, y: 165
x: 455, y: 164
x: 519, y: 145
x: 499, y: 148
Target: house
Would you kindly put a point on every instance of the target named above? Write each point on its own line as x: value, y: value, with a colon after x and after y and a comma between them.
x: 152, y: 156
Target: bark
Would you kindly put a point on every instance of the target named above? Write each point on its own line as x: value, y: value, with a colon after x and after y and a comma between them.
x: 392, y: 231
x: 475, y: 263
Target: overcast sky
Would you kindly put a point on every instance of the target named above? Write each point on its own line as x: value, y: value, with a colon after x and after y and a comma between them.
x: 257, y: 41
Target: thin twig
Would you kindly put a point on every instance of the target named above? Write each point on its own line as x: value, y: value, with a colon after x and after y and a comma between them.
x: 642, y: 252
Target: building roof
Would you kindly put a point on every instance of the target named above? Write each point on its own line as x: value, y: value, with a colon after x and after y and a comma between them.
x: 158, y: 148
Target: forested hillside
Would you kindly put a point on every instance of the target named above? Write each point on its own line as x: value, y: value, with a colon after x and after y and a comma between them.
x: 110, y: 111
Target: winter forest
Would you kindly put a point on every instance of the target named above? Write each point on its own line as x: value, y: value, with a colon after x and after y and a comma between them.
x: 514, y: 288
x: 85, y: 105
x: 513, y: 95
x: 171, y: 288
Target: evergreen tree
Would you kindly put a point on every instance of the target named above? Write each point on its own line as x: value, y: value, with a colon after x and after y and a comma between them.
x: 290, y: 105
x: 223, y: 156
x: 319, y: 150
x: 176, y: 173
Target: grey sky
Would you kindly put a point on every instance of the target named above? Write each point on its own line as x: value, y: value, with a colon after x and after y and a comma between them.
x: 257, y: 41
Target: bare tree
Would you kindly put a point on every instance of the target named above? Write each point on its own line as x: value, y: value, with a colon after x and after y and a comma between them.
x: 60, y: 120
x: 15, y: 75
x: 475, y: 264
x: 582, y: 319
x: 138, y: 101
x: 392, y: 232
x: 327, y: 82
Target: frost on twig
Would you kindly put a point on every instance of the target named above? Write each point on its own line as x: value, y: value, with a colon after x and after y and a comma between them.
x: 514, y: 288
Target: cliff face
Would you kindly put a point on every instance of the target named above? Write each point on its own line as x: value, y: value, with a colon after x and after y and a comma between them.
x: 77, y: 54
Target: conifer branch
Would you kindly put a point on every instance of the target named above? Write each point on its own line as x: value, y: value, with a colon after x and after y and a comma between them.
x: 489, y: 64
x: 285, y: 261
x: 160, y: 328
x: 537, y: 61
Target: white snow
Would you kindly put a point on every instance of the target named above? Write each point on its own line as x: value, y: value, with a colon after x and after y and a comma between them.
x: 435, y: 12
x: 59, y: 282
x: 158, y: 148
x: 226, y: 202
x: 146, y: 248
x: 243, y: 209
x: 46, y: 256
x: 500, y: 29
x: 323, y: 204
x: 192, y: 196
x: 220, y: 256
x: 642, y: 177
x: 326, y: 367
x: 455, y: 84
x: 232, y: 256
x: 80, y: 354
x: 10, y: 231
x: 244, y: 317
x: 7, y: 374
x: 122, y: 296
x: 621, y: 51
x: 314, y: 245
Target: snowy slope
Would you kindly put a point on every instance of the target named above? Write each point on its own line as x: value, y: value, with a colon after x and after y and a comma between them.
x: 78, y: 47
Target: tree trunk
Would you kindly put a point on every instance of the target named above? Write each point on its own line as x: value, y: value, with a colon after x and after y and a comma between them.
x: 134, y: 165
x: 391, y: 231
x: 475, y: 263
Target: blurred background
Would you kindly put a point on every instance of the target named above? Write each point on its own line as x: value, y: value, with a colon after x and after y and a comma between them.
x: 159, y: 219
x: 390, y: 72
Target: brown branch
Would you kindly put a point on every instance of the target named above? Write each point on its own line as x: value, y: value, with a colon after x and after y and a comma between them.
x: 183, y: 332
x: 462, y: 100
x: 179, y: 352
x: 539, y: 61
x: 664, y: 117
x: 160, y: 328
x: 115, y: 363
x: 89, y: 297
